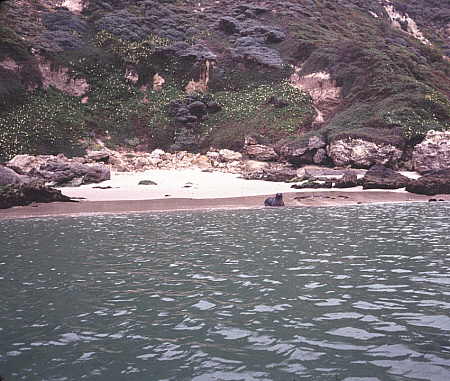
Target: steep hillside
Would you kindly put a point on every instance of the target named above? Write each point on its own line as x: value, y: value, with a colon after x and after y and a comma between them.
x: 181, y: 74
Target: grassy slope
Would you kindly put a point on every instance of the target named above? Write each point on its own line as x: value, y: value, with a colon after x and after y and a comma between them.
x: 394, y: 87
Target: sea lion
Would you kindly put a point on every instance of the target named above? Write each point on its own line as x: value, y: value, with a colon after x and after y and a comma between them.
x: 274, y: 201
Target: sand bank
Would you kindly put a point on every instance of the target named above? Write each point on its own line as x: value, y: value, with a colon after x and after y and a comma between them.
x: 196, y: 190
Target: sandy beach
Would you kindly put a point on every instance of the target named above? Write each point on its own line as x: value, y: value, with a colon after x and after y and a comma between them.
x: 192, y: 189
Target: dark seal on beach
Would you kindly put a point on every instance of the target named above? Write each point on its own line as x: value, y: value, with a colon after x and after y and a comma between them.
x: 274, y: 201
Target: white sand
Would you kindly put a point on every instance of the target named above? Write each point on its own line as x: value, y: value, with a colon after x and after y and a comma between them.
x: 186, y: 183
x: 189, y: 183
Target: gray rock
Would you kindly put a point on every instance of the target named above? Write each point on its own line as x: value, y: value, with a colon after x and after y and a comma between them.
x: 8, y: 176
x: 59, y: 170
x: 300, y: 151
x: 25, y: 194
x: 274, y: 172
x: 433, y: 153
x: 183, y: 50
x: 251, y: 49
x: 380, y: 177
x: 197, y: 108
x: 320, y: 156
x: 100, y: 156
x: 226, y: 155
x: 275, y: 36
x: 147, y: 182
x: 261, y: 152
x: 434, y: 182
x: 313, y: 184
x: 362, y: 153
x: 348, y: 180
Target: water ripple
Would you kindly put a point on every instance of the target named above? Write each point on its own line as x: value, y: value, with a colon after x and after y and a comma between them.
x: 356, y: 293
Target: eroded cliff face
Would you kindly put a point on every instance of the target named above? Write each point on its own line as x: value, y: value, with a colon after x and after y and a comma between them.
x: 404, y: 22
x: 58, y: 77
x: 75, y: 6
x: 322, y: 89
x: 359, y: 66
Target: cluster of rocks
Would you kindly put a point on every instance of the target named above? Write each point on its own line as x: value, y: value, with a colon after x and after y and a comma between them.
x: 300, y: 151
x: 17, y: 189
x: 192, y: 110
x: 433, y: 153
x: 431, y: 183
x: 27, y: 179
x: 381, y: 177
x: 58, y: 170
x: 135, y: 161
x: 28, y: 193
x: 251, y: 38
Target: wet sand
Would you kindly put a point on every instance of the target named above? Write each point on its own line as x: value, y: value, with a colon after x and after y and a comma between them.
x: 292, y: 199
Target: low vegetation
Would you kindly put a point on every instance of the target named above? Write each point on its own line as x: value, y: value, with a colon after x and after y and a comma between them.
x: 394, y: 88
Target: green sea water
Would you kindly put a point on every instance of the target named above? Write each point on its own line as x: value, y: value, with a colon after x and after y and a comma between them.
x: 358, y: 293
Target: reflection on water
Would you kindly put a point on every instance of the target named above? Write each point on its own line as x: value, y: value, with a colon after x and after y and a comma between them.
x: 354, y: 293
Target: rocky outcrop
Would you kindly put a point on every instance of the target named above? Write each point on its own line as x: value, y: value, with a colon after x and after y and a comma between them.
x: 192, y: 110
x: 59, y: 170
x: 309, y: 171
x: 313, y: 184
x: 253, y: 50
x: 301, y: 151
x: 380, y: 177
x: 137, y: 161
x: 348, y: 180
x: 433, y: 153
x: 8, y: 176
x: 272, y: 172
x: 260, y: 152
x: 362, y: 153
x: 250, y: 39
x: 434, y: 182
x: 402, y: 21
x: 25, y: 194
x: 226, y: 155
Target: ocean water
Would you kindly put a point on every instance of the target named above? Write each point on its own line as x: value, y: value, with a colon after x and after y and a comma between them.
x: 358, y: 293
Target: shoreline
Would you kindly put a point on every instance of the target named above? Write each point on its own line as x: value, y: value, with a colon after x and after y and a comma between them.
x: 321, y: 198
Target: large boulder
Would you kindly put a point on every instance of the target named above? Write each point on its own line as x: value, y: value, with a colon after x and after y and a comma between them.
x: 261, y: 152
x: 433, y: 153
x: 361, y: 153
x: 8, y: 176
x: 62, y: 173
x: 274, y: 172
x: 59, y: 170
x: 25, y: 194
x: 434, y: 182
x: 99, y: 156
x: 380, y: 177
x: 301, y: 151
x: 348, y: 180
x: 226, y: 155
x: 25, y: 163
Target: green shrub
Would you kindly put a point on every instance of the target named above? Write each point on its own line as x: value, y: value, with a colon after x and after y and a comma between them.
x: 48, y: 122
